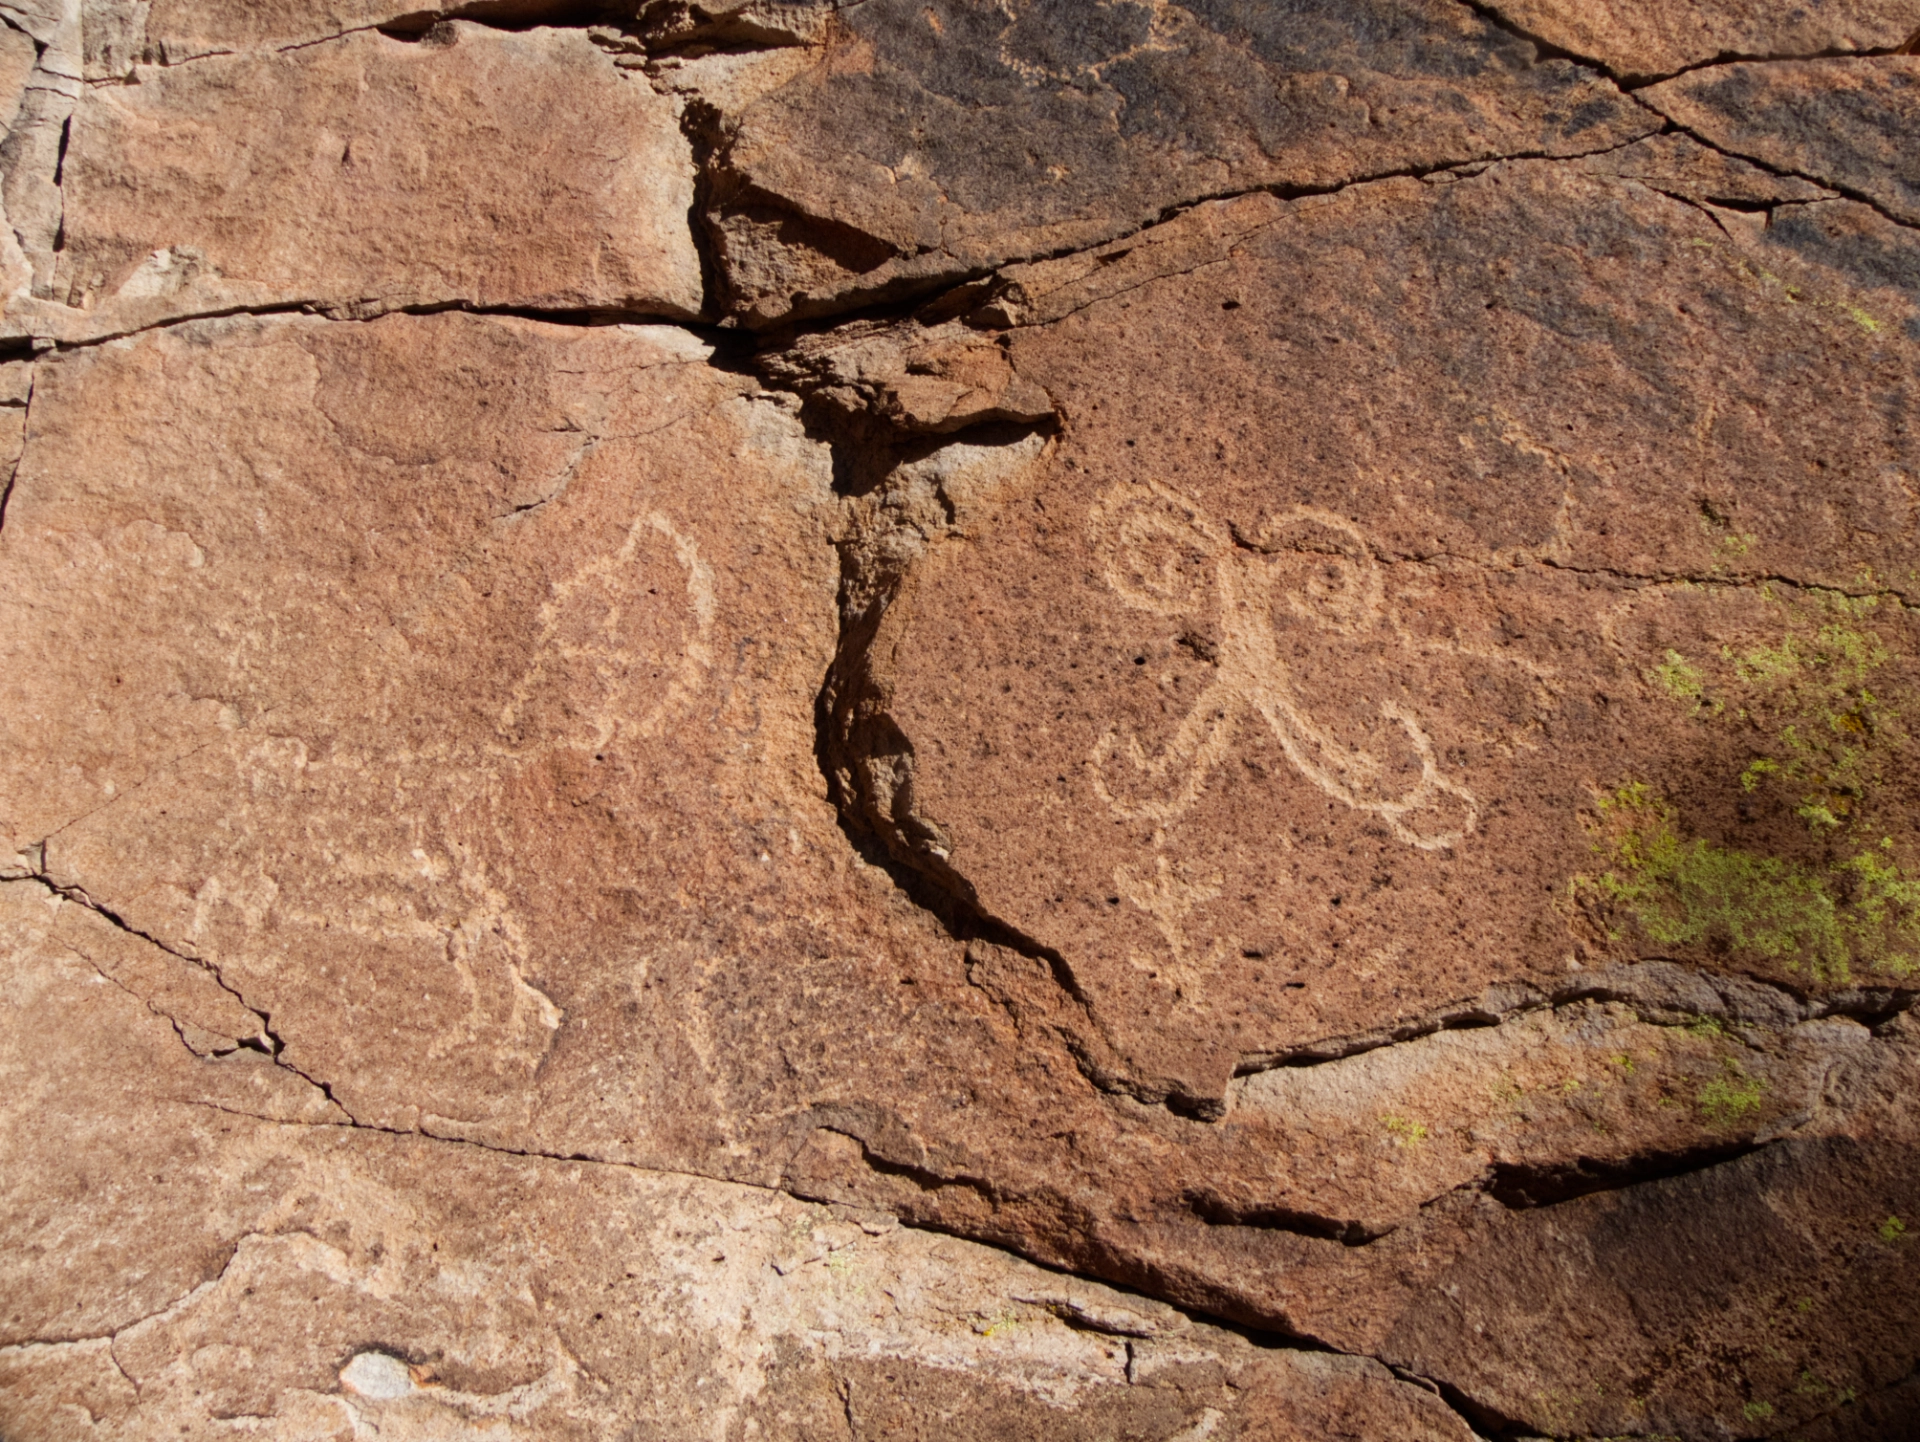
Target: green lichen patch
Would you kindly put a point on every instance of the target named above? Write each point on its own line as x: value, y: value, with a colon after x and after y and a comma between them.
x: 1679, y: 678
x: 1807, y: 704
x: 1811, y: 730
x: 1405, y: 1132
x: 1731, y: 1099
x: 1823, y: 921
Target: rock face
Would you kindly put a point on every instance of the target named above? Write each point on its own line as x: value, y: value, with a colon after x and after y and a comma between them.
x: 794, y: 720
x: 922, y: 144
x: 1643, y: 41
x: 366, y: 173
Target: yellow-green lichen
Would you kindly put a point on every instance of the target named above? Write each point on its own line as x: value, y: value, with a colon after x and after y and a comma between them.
x: 1859, y: 317
x: 999, y: 1325
x: 1831, y: 734
x: 1692, y: 892
x: 1732, y: 1098
x: 1821, y: 737
x: 1892, y: 1229
x: 1679, y: 678
x: 1405, y: 1132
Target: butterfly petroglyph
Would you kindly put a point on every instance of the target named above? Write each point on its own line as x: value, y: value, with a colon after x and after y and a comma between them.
x: 1303, y: 567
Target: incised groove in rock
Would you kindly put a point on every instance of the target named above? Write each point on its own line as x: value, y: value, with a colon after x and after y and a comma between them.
x: 1161, y: 553
x: 1264, y: 652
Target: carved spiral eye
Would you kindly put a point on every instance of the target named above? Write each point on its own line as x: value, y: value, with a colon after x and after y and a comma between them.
x: 1157, y: 552
x: 1322, y: 570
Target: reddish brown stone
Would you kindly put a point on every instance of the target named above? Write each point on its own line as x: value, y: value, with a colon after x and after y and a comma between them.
x: 1642, y: 39
x: 368, y: 174
x: 1844, y: 123
x: 187, y: 1241
x: 1342, y: 762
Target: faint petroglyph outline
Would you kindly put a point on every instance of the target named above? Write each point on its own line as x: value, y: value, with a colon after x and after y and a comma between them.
x: 1515, y: 436
x: 1160, y: 33
x: 611, y: 663
x: 1250, y: 674
x: 1168, y: 899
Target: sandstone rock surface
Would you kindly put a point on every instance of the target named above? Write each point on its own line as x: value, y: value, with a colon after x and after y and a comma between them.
x: 920, y: 144
x: 1647, y: 41
x: 479, y: 563
x: 367, y: 173
x: 794, y: 720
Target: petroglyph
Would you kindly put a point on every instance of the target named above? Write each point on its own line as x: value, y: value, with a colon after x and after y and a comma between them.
x: 1304, y: 567
x: 1169, y: 897
x: 612, y: 625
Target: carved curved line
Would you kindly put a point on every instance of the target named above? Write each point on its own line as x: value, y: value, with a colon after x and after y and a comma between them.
x: 696, y: 656
x: 1109, y: 513
x: 1200, y: 743
x: 1256, y: 677
x: 1431, y: 781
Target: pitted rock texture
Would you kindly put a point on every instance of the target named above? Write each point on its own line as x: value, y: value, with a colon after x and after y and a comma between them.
x: 1643, y: 41
x: 369, y: 173
x: 781, y: 719
x: 923, y: 143
x: 501, y: 654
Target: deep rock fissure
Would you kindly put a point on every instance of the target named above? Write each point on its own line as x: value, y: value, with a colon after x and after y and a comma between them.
x: 1727, y: 998
x: 1520, y: 1186
x: 908, y: 296
x: 719, y: 337
x: 1483, y: 1420
x: 868, y: 761
x: 1632, y: 83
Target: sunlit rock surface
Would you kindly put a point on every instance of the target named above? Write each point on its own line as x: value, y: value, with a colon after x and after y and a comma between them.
x: 789, y: 720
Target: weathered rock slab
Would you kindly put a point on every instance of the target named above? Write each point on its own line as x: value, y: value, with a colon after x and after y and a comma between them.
x: 919, y: 144
x: 1643, y: 41
x: 121, y: 34
x: 367, y: 174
